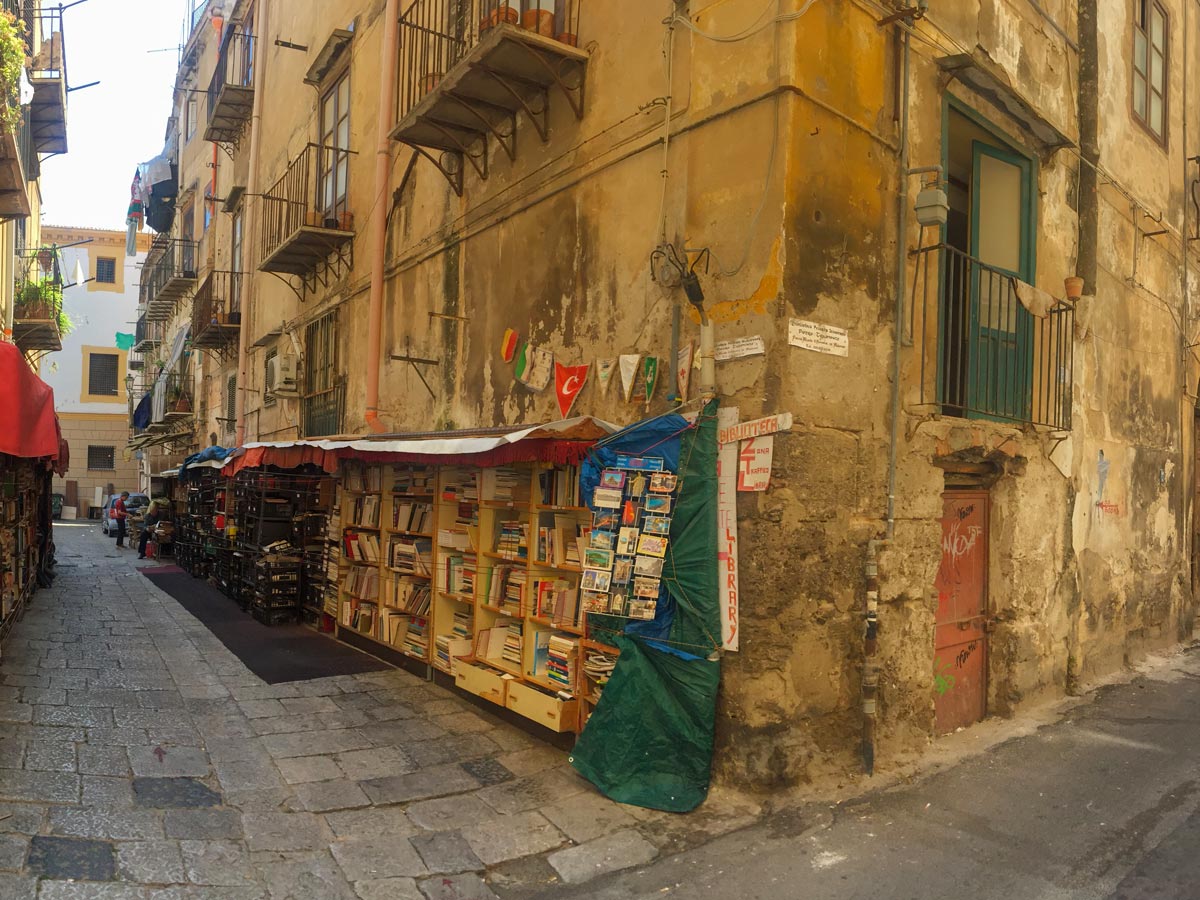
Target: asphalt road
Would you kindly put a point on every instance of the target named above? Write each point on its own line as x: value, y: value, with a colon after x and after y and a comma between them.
x: 1102, y: 804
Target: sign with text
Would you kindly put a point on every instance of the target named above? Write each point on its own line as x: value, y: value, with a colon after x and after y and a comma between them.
x: 817, y: 337
x: 755, y: 428
x: 727, y: 536
x: 754, y: 463
x: 739, y: 348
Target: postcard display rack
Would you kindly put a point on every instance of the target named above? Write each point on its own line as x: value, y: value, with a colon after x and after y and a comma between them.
x: 20, y: 491
x: 473, y: 571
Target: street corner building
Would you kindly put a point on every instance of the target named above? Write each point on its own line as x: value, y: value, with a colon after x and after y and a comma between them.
x: 808, y: 378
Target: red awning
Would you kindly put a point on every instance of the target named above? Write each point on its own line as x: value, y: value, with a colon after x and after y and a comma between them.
x: 27, y: 410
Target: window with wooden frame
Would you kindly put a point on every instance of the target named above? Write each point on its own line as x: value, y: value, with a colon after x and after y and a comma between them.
x: 1150, y: 57
x: 192, y: 112
x: 334, y: 149
x: 230, y: 417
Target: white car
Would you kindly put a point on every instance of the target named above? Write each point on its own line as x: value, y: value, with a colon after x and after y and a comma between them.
x: 134, y: 504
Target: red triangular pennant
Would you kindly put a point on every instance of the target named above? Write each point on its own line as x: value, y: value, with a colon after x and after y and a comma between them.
x: 568, y: 382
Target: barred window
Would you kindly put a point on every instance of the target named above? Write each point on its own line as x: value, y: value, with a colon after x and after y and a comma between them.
x: 230, y: 403
x: 102, y: 374
x: 103, y: 458
x: 106, y: 270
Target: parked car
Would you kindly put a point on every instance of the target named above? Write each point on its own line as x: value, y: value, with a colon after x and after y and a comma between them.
x: 132, y: 505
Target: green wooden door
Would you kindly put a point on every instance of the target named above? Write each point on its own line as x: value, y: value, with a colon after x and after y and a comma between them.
x: 999, y: 345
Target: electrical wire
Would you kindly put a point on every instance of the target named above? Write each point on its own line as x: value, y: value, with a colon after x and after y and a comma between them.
x: 755, y: 28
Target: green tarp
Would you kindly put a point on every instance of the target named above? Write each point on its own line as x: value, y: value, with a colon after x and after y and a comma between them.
x: 649, y: 741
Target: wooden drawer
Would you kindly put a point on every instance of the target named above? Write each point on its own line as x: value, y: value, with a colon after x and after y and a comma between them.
x: 545, y: 709
x: 486, y: 683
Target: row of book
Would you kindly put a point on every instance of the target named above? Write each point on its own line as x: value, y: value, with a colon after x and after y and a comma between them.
x: 410, y: 595
x: 456, y: 575
x: 362, y: 582
x: 418, y: 481
x: 561, y: 653
x: 512, y: 539
x: 560, y: 544
x: 460, y: 485
x: 557, y: 600
x: 364, y: 478
x: 412, y: 517
x: 504, y: 484
x: 360, y: 546
x: 366, y: 510
x: 559, y: 487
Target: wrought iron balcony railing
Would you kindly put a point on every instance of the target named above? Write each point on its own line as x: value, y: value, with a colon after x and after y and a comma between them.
x: 306, y: 229
x: 231, y: 90
x: 468, y: 67
x: 985, y: 354
x: 38, y: 315
x: 216, y: 311
x: 167, y: 275
x: 48, y: 76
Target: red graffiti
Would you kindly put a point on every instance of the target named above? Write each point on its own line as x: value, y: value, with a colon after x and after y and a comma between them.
x: 1109, y: 508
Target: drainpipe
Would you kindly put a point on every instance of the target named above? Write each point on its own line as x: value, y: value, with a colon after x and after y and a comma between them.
x: 261, y: 23
x: 383, y: 165
x: 870, y: 678
x: 901, y: 240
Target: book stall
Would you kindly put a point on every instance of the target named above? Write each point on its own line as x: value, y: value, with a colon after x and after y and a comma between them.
x: 31, y: 450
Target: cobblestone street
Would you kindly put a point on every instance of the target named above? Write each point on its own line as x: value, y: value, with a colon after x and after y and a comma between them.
x: 140, y: 759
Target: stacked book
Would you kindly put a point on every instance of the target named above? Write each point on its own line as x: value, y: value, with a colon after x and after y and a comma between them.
x: 410, y: 595
x: 513, y: 541
x: 393, y: 626
x: 413, y: 481
x: 512, y: 644
x: 559, y: 487
x: 514, y: 592
x: 411, y: 556
x: 362, y: 583
x: 560, y: 668
x: 416, y: 640
x: 412, y: 517
x: 457, y: 574
x: 500, y: 484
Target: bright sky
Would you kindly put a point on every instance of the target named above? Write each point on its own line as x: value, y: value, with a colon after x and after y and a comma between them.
x: 120, y: 122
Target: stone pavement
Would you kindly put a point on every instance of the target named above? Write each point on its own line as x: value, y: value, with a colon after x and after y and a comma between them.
x: 140, y: 760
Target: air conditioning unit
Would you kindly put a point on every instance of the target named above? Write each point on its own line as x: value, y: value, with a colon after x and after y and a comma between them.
x: 281, y: 375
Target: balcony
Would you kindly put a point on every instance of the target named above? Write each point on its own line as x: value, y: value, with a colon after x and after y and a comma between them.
x: 146, y: 335
x: 38, y: 316
x: 985, y: 354
x: 18, y: 166
x: 48, y: 76
x: 216, y: 312
x: 305, y: 231
x: 169, y: 273
x: 468, y: 67
x: 231, y: 91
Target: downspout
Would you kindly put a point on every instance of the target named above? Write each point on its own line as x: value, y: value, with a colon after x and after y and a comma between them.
x: 901, y: 241
x: 383, y: 166
x: 261, y: 20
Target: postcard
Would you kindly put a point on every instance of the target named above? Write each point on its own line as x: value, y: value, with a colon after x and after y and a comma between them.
x: 627, y: 542
x: 617, y: 605
x: 629, y: 513
x: 663, y: 482
x: 594, y: 558
x: 606, y: 498
x: 596, y: 580
x: 656, y: 525
x: 612, y: 478
x: 652, y: 545
x: 642, y: 609
x: 646, y: 587
x: 649, y: 566
x: 637, y: 485
x: 623, y: 571
x: 604, y: 521
x: 659, y: 504
x: 603, y: 540
x: 594, y: 602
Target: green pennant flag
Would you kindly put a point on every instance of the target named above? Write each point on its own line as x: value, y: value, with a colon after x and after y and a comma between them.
x: 124, y: 341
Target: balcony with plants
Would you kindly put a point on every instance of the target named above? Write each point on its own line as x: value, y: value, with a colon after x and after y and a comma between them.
x: 39, y: 321
x: 468, y: 68
x: 216, y: 313
x: 48, y: 75
x: 170, y: 271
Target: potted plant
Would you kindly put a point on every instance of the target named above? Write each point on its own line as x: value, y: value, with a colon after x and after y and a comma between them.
x: 12, y: 64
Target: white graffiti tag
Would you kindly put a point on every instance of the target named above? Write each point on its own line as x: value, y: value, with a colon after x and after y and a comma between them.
x: 959, y: 541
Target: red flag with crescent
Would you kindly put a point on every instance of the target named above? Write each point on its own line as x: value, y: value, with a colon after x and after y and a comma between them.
x: 568, y: 382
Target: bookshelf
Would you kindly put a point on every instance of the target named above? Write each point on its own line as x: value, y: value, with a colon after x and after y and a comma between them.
x: 475, y: 573
x: 20, y: 489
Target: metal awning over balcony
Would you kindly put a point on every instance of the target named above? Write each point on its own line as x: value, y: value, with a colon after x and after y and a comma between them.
x: 167, y: 276
x: 464, y: 76
x: 48, y: 76
x: 231, y: 91
x: 306, y: 231
x: 36, y: 311
x: 216, y: 312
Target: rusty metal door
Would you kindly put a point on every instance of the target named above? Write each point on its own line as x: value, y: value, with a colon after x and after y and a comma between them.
x: 960, y: 632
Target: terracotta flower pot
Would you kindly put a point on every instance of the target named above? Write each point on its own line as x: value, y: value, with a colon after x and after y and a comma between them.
x: 539, y: 21
x: 1074, y: 287
x: 503, y: 14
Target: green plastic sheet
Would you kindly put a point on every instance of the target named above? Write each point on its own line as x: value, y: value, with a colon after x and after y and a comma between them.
x: 649, y: 741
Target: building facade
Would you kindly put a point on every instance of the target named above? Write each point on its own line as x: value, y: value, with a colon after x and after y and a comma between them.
x: 985, y: 495
x: 89, y: 374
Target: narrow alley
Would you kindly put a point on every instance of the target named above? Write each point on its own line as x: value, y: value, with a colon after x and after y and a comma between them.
x: 140, y: 759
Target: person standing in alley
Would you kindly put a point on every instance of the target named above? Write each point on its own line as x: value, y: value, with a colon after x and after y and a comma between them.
x: 152, y: 518
x: 121, y: 514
